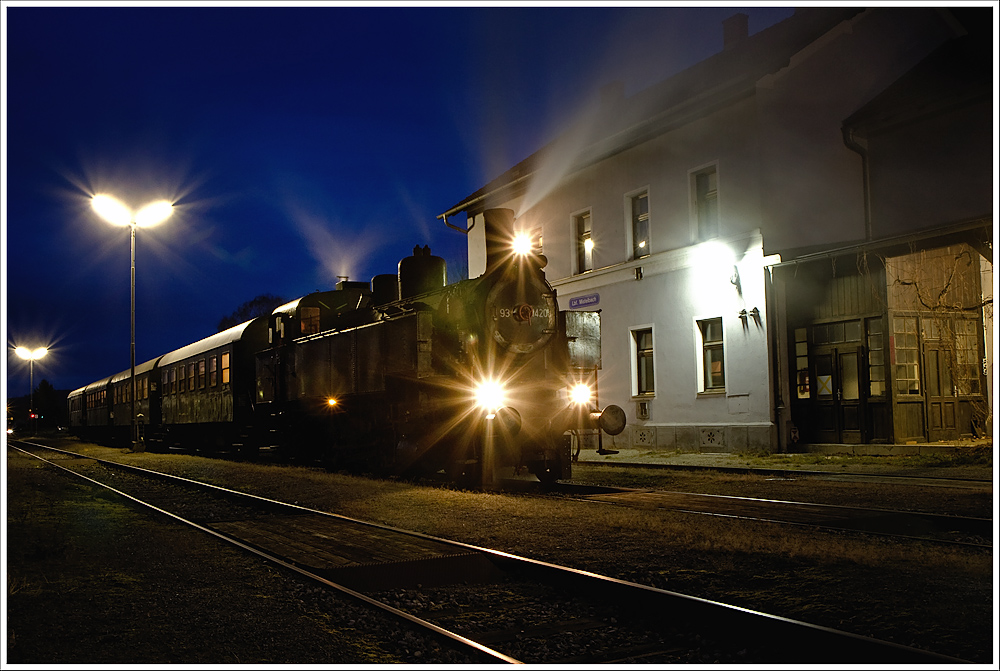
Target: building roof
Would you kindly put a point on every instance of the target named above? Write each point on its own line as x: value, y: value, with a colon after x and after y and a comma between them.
x: 615, y: 126
x: 957, y: 73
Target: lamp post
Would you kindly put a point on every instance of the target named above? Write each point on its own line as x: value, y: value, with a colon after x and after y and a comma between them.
x: 115, y: 212
x: 30, y: 355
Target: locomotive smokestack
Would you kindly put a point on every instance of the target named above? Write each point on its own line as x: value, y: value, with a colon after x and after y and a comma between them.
x: 499, y: 234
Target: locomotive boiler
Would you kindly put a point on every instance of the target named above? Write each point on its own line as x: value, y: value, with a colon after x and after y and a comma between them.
x: 403, y: 375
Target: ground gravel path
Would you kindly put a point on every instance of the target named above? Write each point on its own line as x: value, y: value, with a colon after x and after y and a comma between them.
x: 72, y: 553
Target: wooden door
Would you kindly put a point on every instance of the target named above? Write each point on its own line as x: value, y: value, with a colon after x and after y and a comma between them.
x: 942, y: 395
x: 839, y: 395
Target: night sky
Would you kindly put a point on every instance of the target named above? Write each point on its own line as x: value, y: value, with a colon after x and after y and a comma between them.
x: 298, y: 144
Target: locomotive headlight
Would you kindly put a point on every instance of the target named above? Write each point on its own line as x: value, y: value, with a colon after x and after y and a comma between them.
x: 580, y: 394
x: 490, y: 395
x: 330, y: 402
x: 522, y: 244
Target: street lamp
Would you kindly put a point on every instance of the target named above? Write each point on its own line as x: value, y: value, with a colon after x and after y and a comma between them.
x: 115, y: 212
x: 30, y: 355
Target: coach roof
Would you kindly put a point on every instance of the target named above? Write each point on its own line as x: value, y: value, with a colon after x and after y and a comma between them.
x: 230, y: 335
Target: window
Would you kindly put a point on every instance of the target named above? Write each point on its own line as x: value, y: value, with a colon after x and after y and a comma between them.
x: 309, y: 320
x: 967, y: 355
x: 584, y: 243
x: 713, y: 365
x: 876, y: 358
x: 640, y: 225
x: 190, y: 382
x: 706, y: 203
x: 181, y: 386
x: 225, y: 368
x: 907, y: 355
x: 801, y: 364
x: 201, y: 374
x: 642, y: 341
x: 213, y: 374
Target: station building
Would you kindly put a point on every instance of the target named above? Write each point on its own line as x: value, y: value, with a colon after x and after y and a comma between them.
x: 789, y: 242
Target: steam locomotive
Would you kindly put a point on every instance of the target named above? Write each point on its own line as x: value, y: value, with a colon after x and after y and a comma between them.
x: 403, y: 375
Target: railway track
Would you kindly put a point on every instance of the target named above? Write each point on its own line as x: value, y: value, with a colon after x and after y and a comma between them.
x: 923, y: 480
x: 945, y: 529
x: 494, y: 606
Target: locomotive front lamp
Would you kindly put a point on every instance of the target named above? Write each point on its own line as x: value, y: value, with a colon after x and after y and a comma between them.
x: 580, y: 394
x: 490, y: 396
x: 117, y: 213
x: 522, y: 244
x: 30, y: 355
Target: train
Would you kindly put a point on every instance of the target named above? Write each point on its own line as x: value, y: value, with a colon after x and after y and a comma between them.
x: 403, y: 375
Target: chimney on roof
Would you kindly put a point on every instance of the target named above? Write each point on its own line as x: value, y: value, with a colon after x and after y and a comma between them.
x: 734, y: 30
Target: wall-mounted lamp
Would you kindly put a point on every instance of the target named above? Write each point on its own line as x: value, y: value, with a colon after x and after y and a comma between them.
x: 734, y: 279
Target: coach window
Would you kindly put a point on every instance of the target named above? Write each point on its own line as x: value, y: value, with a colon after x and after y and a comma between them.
x: 225, y: 368
x: 713, y: 367
x: 190, y: 382
x: 309, y: 318
x: 201, y: 374
x: 213, y: 374
x: 642, y: 347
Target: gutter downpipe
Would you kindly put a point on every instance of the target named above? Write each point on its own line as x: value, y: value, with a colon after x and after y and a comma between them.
x: 862, y: 151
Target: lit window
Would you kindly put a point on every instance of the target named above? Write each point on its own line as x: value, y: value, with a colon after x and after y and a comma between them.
x: 713, y: 365
x: 225, y: 368
x: 190, y: 382
x: 642, y: 340
x: 706, y: 201
x: 310, y: 320
x: 584, y: 243
x: 640, y: 226
x: 181, y: 386
x: 801, y: 364
x: 201, y: 374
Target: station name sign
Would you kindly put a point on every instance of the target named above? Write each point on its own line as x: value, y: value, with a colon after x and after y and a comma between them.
x: 586, y: 301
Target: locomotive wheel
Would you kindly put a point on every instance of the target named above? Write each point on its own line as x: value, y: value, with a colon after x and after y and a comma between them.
x: 467, y: 474
x: 547, y: 473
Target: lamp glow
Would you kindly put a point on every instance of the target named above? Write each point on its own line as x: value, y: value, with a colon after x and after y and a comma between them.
x: 111, y: 210
x: 580, y: 394
x: 522, y: 244
x: 588, y: 244
x: 490, y: 395
x: 29, y: 354
x: 154, y: 213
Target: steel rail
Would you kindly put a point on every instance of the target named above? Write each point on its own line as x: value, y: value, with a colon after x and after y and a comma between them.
x: 424, y: 624
x: 784, y: 472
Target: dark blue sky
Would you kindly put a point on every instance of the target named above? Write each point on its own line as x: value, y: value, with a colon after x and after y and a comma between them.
x: 298, y: 144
